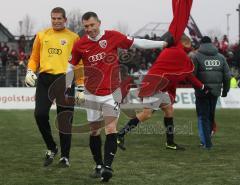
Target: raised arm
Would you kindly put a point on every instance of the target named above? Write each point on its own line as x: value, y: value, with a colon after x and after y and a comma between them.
x: 148, y: 44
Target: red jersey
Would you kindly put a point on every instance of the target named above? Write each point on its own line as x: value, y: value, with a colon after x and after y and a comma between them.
x: 100, y: 60
x: 181, y: 12
x: 171, y: 66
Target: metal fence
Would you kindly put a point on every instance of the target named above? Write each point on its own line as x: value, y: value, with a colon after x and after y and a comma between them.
x: 12, y: 76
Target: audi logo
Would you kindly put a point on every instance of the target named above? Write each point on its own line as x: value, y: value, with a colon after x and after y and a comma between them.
x: 97, y: 57
x: 55, y: 51
x: 212, y: 63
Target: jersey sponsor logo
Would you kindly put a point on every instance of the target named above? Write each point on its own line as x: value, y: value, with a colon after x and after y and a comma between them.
x: 55, y: 51
x: 97, y: 57
x: 212, y: 63
x: 103, y: 43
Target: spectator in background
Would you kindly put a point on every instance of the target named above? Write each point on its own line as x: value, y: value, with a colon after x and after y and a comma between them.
x: 236, y: 55
x: 4, y: 55
x: 21, y: 44
x: 211, y: 69
x: 216, y: 43
x: 4, y: 59
x: 22, y: 59
x: 224, y: 45
x: 13, y: 58
x: 233, y: 82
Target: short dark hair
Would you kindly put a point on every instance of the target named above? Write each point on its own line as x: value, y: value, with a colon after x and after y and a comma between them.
x: 88, y: 15
x: 59, y: 10
x: 206, y: 39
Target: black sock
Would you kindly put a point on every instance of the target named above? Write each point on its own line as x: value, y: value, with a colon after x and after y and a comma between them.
x: 168, y: 122
x: 95, y: 144
x: 110, y: 149
x: 129, y: 126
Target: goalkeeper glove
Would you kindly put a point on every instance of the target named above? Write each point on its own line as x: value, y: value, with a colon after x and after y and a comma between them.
x: 30, y: 79
x: 79, y: 95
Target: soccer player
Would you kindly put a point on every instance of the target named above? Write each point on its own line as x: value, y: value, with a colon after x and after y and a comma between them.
x: 171, y: 66
x: 98, y: 50
x: 162, y: 97
x: 51, y: 50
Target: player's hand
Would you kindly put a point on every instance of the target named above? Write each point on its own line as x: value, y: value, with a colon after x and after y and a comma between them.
x: 79, y: 95
x: 30, y: 79
x: 224, y: 94
x: 165, y: 44
x: 167, y: 37
x: 206, y: 89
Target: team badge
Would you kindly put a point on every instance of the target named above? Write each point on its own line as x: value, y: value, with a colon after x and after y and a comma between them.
x: 103, y: 43
x: 63, y: 42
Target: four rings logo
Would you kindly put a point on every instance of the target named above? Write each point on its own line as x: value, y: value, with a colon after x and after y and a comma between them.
x: 55, y: 51
x: 212, y: 63
x: 97, y: 57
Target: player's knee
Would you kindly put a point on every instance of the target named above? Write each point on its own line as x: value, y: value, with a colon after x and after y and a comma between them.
x: 168, y: 111
x: 146, y: 114
x: 110, y: 128
x: 95, y: 132
x: 95, y: 128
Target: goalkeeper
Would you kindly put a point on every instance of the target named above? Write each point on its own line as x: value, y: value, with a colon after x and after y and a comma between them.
x: 50, y: 53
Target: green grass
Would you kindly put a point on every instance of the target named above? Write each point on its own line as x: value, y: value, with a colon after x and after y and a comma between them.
x: 145, y: 162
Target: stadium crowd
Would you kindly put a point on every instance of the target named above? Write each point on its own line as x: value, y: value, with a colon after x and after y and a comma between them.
x: 13, y: 64
x: 138, y: 61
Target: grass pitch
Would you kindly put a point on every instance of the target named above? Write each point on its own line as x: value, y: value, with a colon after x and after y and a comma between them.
x: 145, y: 162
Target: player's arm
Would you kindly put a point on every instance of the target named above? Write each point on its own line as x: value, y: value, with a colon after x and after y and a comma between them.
x: 79, y: 74
x: 194, y: 81
x: 33, y: 64
x: 198, y: 84
x: 126, y: 42
x: 79, y: 71
x: 73, y: 61
x: 148, y: 44
x: 226, y: 78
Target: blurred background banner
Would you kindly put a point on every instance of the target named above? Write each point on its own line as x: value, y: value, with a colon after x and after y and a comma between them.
x: 24, y: 98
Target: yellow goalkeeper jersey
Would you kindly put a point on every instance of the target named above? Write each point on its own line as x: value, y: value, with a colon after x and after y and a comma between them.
x: 51, y: 51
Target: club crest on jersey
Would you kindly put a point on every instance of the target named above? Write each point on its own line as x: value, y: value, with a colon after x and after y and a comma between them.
x: 63, y: 42
x: 103, y: 43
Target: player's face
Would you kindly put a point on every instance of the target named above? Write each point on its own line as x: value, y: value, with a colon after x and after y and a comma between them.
x: 92, y: 27
x: 187, y: 44
x: 58, y: 21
